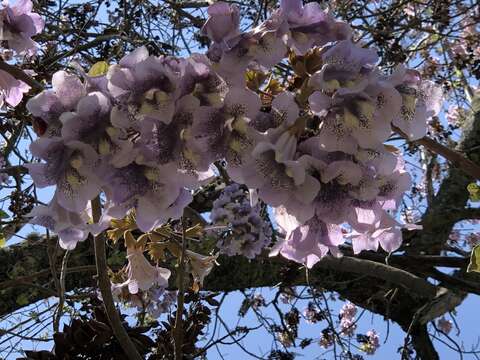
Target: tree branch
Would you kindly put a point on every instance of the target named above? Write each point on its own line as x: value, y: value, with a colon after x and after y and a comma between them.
x: 21, y: 75
x: 105, y: 289
x: 457, y: 159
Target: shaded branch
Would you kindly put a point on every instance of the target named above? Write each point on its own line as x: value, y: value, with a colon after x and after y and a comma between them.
x: 21, y: 75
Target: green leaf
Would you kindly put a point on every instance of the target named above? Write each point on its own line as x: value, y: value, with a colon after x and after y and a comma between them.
x: 474, y: 260
x: 3, y: 241
x: 474, y: 191
x: 98, y: 69
x: 3, y: 215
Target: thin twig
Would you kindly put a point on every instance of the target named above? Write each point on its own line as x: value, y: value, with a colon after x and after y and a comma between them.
x: 61, y: 293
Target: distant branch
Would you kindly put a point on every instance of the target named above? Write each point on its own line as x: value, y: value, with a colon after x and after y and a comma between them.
x: 457, y: 159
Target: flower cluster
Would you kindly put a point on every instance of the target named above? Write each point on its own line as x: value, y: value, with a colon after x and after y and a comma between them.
x: 370, y: 342
x: 146, y: 133
x: 237, y: 225
x: 347, y: 319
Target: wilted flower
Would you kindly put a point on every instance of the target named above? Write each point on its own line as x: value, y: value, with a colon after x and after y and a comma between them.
x: 455, y: 115
x: 473, y: 239
x: 141, y: 274
x: 200, y: 266
x: 3, y: 175
x: 454, y: 237
x: 444, y: 325
x: 327, y: 339
x: 370, y: 342
x: 285, y: 338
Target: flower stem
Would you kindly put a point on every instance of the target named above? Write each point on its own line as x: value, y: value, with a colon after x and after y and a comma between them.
x: 105, y: 289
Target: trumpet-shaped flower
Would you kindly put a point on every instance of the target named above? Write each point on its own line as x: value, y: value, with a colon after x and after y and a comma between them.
x: 18, y: 24
x: 69, y: 166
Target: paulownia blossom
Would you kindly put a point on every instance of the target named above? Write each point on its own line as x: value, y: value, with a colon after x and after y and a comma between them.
x: 18, y: 24
x: 142, y: 86
x: 238, y: 225
x: 11, y: 90
x: 146, y: 136
x: 46, y: 107
x: 70, y: 226
x: 69, y: 166
x: 310, y: 26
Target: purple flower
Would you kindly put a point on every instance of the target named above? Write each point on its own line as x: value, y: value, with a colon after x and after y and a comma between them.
x: 172, y: 144
x: 310, y: 26
x: 386, y: 233
x: 199, y: 80
x: 262, y: 46
x: 11, y: 89
x: 347, y: 319
x: 347, y: 68
x: 18, y: 24
x: 67, y: 90
x: 281, y: 178
x: 353, y: 119
x: 141, y: 274
x: 71, y: 227
x: 90, y: 124
x: 143, y: 86
x: 309, y: 242
x: 69, y: 166
x: 223, y: 22
x: 224, y: 132
x: 154, y: 193
x: 283, y: 114
x: 422, y: 99
x: 237, y: 225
